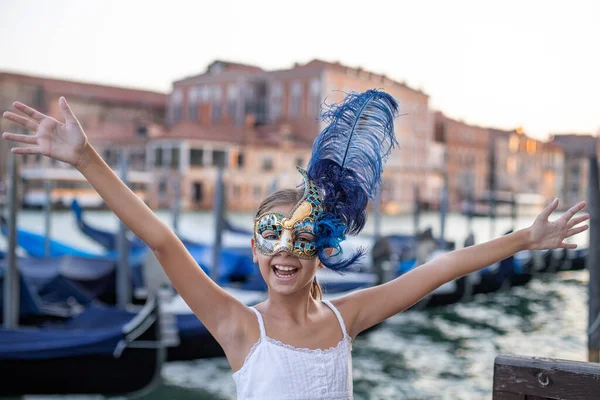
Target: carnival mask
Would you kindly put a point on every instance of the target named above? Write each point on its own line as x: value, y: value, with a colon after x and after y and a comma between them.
x: 275, y: 232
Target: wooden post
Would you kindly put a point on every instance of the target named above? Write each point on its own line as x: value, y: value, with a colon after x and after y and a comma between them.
x: 513, y: 211
x: 47, y: 216
x: 534, y: 378
x: 416, y: 209
x: 176, y: 204
x: 219, y: 222
x: 11, y: 274
x: 492, y: 188
x: 377, y: 215
x: 123, y: 270
x: 593, y: 263
x: 443, y: 212
x: 470, y: 209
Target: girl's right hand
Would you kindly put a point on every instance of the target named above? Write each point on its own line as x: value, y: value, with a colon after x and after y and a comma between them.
x: 63, y: 142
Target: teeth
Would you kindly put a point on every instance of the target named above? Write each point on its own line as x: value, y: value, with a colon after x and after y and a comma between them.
x: 282, y: 268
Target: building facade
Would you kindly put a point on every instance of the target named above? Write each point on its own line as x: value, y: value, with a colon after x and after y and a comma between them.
x: 577, y: 150
x: 467, y: 162
x: 261, y: 124
x: 116, y: 120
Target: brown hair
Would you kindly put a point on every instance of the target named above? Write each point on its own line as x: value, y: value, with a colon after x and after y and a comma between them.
x: 288, y: 197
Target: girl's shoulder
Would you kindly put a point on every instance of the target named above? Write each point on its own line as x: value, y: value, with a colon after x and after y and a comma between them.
x: 349, y: 310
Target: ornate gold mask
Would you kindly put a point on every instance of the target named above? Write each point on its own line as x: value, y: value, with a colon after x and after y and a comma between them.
x: 275, y: 232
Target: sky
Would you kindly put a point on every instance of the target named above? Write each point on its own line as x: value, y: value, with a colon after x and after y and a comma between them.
x: 503, y: 64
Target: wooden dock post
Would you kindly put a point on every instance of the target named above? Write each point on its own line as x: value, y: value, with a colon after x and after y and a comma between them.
x: 219, y: 207
x: 47, y: 216
x: 124, y: 294
x: 176, y: 205
x: 416, y: 209
x: 534, y: 378
x: 377, y: 215
x: 593, y: 263
x: 11, y: 299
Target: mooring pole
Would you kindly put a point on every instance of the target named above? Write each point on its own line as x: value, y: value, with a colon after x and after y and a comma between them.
x: 123, y: 269
x: 176, y: 205
x: 593, y: 263
x: 377, y: 215
x: 416, y: 209
x: 443, y: 213
x: 11, y: 274
x: 47, y: 216
x: 219, y: 207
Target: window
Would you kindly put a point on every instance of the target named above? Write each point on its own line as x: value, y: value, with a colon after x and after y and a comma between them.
x: 513, y: 144
x: 176, y: 104
x: 275, y: 100
x: 205, y: 94
x: 219, y: 158
x: 267, y: 164
x: 196, y: 157
x: 158, y: 157
x: 232, y: 100
x: 162, y: 186
x: 295, y: 98
x: 240, y: 160
x: 193, y: 98
x: 197, y: 191
x: 216, y: 103
x: 175, y: 157
x: 314, y: 99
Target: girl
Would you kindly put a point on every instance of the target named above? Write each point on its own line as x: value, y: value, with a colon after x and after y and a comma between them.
x: 294, y: 345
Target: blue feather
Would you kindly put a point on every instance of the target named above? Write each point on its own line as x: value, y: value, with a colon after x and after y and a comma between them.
x: 347, y: 162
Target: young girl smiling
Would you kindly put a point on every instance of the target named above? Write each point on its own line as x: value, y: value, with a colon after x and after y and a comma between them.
x: 294, y: 345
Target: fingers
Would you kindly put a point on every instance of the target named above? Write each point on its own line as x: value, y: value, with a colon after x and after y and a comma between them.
x: 549, y: 209
x: 575, y: 231
x: 66, y: 111
x: 24, y: 122
x: 564, y: 245
x: 26, y: 150
x: 27, y: 139
x: 574, y: 210
x: 32, y: 113
x: 578, y: 220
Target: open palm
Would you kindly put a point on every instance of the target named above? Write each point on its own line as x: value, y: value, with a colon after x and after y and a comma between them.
x: 62, y: 142
x: 550, y: 235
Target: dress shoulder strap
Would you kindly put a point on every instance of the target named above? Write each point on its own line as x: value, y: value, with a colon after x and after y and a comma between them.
x: 261, y: 324
x: 338, y: 315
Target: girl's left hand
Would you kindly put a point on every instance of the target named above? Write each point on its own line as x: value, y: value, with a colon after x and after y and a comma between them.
x: 544, y: 234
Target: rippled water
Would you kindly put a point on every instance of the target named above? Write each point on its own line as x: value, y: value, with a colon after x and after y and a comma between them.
x: 443, y: 353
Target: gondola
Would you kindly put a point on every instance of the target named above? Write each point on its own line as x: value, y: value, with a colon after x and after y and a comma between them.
x: 34, y: 245
x: 101, y: 350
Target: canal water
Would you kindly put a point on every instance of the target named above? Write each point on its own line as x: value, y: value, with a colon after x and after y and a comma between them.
x: 442, y: 353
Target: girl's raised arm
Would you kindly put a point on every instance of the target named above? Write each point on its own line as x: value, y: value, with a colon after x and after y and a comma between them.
x: 222, y: 314
x: 371, y: 306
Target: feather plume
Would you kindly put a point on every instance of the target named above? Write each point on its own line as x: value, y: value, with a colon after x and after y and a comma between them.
x: 347, y: 162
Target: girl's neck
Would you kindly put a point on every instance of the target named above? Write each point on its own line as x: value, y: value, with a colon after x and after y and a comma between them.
x: 294, y: 307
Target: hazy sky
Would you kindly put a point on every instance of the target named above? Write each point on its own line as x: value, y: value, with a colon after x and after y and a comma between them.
x: 503, y: 63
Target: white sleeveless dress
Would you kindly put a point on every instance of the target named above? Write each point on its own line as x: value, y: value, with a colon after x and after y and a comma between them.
x: 274, y: 370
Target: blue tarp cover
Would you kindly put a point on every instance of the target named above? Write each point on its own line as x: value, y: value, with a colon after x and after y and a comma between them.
x: 96, y: 331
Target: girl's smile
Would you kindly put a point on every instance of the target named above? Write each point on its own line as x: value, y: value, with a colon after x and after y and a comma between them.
x: 284, y: 273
